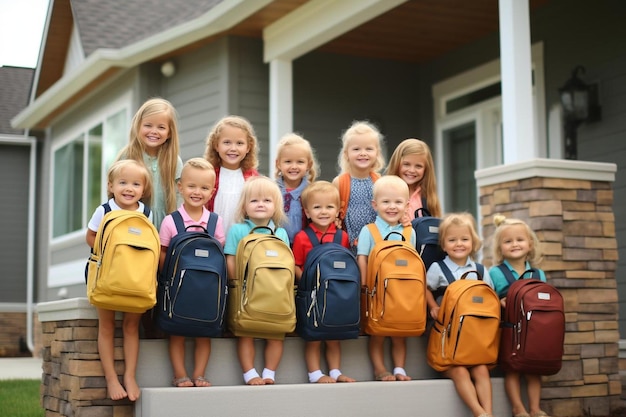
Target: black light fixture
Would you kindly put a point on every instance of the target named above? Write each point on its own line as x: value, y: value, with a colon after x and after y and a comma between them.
x: 580, y: 104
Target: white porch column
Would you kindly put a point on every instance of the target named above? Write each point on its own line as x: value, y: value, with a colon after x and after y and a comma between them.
x: 520, y: 142
x: 281, y: 105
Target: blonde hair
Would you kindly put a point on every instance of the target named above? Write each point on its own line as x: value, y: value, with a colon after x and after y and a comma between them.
x: 360, y: 128
x: 293, y: 139
x: 250, y: 161
x: 266, y: 187
x: 390, y: 181
x: 459, y: 220
x: 428, y: 183
x: 116, y: 170
x: 319, y: 187
x: 534, y: 255
x: 198, y: 163
x: 167, y: 155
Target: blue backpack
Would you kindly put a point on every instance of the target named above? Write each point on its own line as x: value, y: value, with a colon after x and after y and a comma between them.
x: 328, y: 296
x: 192, y: 290
x: 427, y: 237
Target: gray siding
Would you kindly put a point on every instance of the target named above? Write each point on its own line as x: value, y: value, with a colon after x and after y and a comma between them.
x: 14, y: 170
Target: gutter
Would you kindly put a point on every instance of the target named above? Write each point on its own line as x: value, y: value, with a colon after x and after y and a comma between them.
x: 219, y: 19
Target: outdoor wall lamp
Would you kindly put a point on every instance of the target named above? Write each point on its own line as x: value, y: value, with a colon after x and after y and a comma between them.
x: 579, y: 101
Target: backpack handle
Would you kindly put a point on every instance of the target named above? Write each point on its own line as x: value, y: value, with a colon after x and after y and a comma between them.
x: 256, y: 228
x: 424, y: 212
x: 397, y: 233
x: 479, y: 276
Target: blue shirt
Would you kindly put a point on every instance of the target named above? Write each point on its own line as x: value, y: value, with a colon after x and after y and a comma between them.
x: 436, y: 279
x: 366, y: 241
x: 239, y: 230
x: 501, y: 285
x: 293, y: 206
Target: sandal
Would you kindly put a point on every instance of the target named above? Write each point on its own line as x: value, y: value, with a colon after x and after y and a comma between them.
x: 540, y: 413
x: 183, y: 382
x: 201, y: 382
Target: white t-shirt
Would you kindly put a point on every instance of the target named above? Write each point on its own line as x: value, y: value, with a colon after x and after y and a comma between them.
x: 98, y: 215
x: 227, y: 197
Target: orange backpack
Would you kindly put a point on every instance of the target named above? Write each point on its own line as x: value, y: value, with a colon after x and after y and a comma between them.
x: 344, y: 192
x: 394, y: 297
x: 467, y: 329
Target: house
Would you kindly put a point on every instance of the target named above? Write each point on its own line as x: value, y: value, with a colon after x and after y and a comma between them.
x: 479, y: 81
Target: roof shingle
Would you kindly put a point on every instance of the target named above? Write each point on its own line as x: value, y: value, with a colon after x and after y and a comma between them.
x: 15, y: 87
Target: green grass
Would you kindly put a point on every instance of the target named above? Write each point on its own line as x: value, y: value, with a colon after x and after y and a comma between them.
x: 20, y: 398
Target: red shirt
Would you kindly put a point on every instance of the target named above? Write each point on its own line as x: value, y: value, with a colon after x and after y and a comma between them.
x: 302, y: 245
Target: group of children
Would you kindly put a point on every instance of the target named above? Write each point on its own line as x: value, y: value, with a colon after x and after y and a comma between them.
x: 226, y: 181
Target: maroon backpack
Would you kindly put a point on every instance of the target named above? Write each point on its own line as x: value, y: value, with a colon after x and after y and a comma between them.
x: 533, y: 326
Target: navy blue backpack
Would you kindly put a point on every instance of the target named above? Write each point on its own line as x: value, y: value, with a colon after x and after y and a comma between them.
x: 427, y: 237
x: 329, y: 292
x: 192, y: 286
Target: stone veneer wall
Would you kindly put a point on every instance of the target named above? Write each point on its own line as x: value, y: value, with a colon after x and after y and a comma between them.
x: 569, y: 205
x: 73, y: 381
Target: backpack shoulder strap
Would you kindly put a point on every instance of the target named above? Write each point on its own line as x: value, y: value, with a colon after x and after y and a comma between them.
x: 211, y: 223
x: 178, y: 222
x: 338, y: 236
x: 312, y: 237
x: 146, y: 211
x: 406, y: 232
x: 446, y: 271
x: 374, y: 232
x: 107, y: 207
x: 507, y: 273
x: 481, y: 270
x: 344, y: 194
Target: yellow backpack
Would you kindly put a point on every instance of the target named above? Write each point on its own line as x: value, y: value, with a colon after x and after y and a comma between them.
x: 261, y: 298
x: 122, y: 268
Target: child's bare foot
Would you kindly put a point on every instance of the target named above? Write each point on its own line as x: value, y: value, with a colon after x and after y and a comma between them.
x: 132, y: 389
x: 182, y: 382
x: 201, y: 381
x: 345, y: 378
x: 325, y: 379
x: 268, y: 381
x: 257, y: 380
x: 385, y: 376
x: 116, y: 390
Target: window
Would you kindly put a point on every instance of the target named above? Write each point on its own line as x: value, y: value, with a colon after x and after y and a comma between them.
x: 79, y: 168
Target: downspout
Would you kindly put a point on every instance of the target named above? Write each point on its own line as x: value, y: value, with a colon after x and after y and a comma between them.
x: 30, y: 254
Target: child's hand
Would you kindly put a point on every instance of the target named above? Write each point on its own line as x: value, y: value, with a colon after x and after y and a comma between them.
x: 503, y: 302
x: 434, y: 312
x: 406, y: 219
x: 337, y: 222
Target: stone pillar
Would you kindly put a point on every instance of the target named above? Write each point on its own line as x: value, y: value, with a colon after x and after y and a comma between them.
x: 73, y: 381
x: 569, y: 205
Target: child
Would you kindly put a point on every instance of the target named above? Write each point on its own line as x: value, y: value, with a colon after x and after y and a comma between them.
x: 413, y: 162
x: 296, y: 167
x: 128, y: 182
x: 459, y: 239
x: 196, y: 187
x: 154, y: 142
x: 517, y: 246
x: 260, y: 204
x: 360, y: 160
x: 321, y: 204
x: 231, y: 148
x: 390, y: 200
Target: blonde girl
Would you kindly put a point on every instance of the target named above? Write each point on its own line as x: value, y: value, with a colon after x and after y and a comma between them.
x: 413, y: 162
x: 231, y: 147
x: 296, y: 167
x: 360, y: 161
x: 154, y: 141
x: 515, y: 245
x: 127, y: 182
x: 459, y: 238
x: 260, y: 204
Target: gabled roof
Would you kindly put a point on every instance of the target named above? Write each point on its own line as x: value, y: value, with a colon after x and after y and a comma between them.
x: 109, y: 24
x: 15, y: 87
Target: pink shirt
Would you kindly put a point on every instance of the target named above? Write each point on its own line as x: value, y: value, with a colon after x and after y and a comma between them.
x: 168, y: 228
x: 415, y: 202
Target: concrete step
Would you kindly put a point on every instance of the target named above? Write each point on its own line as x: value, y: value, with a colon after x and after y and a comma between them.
x: 292, y: 395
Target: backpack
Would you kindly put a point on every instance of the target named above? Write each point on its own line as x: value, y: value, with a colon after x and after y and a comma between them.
x: 261, y: 297
x: 193, y: 287
x: 467, y: 329
x: 533, y: 326
x: 394, y: 298
x: 329, y: 291
x: 344, y: 193
x: 427, y: 237
x: 122, y: 267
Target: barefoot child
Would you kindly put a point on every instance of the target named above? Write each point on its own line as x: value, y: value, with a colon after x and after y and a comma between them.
x: 196, y: 187
x: 517, y: 247
x: 260, y: 204
x: 459, y: 239
x: 128, y: 182
x: 296, y: 167
x: 390, y: 200
x: 321, y: 204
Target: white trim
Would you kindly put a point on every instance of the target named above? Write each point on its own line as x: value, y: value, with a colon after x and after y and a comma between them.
x: 67, y: 273
x: 13, y: 307
x: 220, y: 18
x: 317, y: 22
x: 281, y: 105
x: 70, y: 309
x: 549, y: 168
